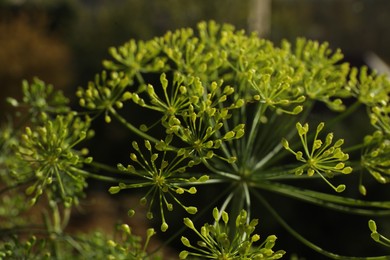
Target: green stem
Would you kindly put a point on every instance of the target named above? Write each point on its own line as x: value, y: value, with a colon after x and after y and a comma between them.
x: 351, y: 109
x: 306, y: 242
x: 131, y: 127
x: 275, y: 155
x: 97, y: 176
x: 219, y: 172
x: 327, y: 200
x: 105, y: 167
x: 254, y: 129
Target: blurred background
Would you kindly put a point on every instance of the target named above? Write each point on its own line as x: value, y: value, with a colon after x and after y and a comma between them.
x: 64, y: 41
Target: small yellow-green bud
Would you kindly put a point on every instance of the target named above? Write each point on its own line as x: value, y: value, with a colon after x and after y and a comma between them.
x: 133, y: 157
x: 111, y: 243
x: 131, y: 212
x: 126, y: 96
x: 339, y: 166
x: 114, y: 189
x: 340, y: 188
x: 255, y: 238
x: 203, y: 178
x: 347, y: 170
x: 107, y: 118
x: 188, y: 222
x: 30, y: 190
x: 185, y: 241
x: 183, y: 254
x: 362, y: 190
x: 372, y: 225
x: 164, y: 227
x: 143, y: 201
x: 232, y: 159
x: 285, y: 143
x: 215, y: 214
x: 126, y: 229
x: 150, y: 232
x: 191, y: 210
x: 192, y: 190
x: 297, y: 110
x: 225, y: 217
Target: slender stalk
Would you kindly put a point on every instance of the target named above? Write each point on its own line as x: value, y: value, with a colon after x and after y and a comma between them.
x: 305, y: 241
x: 131, y: 127
x: 328, y: 200
x: 254, y: 130
x: 88, y: 174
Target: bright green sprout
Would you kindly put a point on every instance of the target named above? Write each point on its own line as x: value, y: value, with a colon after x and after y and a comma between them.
x: 219, y: 242
x: 321, y: 157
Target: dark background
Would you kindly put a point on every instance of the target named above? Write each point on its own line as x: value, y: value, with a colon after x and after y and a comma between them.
x: 63, y: 42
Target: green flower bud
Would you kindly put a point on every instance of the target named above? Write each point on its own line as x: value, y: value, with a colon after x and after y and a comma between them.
x: 114, y: 189
x: 185, y: 241
x: 164, y: 227
x: 191, y: 210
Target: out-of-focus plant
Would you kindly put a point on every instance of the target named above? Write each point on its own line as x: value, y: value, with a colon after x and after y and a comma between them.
x: 215, y: 108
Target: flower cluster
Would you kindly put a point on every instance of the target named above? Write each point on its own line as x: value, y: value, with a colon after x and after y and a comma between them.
x: 39, y: 97
x: 219, y: 242
x: 49, y: 150
x: 123, y: 245
x: 375, y: 157
x: 126, y: 245
x: 105, y: 93
x: 166, y: 178
x: 322, y: 157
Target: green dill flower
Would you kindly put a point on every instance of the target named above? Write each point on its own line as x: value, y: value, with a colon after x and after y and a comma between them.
x: 105, y: 93
x: 219, y: 242
x: 136, y: 57
x: 126, y: 245
x: 375, y: 157
x: 50, y: 152
x: 123, y: 245
x: 275, y: 91
x: 323, y: 78
x: 39, y: 97
x: 380, y: 118
x: 165, y: 178
x: 370, y: 89
x: 322, y: 157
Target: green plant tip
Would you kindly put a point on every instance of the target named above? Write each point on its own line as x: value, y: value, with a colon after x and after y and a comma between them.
x: 340, y: 188
x: 164, y: 227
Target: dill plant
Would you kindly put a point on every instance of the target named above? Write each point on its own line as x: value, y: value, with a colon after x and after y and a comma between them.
x: 219, y: 108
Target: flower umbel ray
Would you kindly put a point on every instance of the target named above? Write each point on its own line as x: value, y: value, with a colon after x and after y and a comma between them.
x: 162, y: 176
x: 321, y: 157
